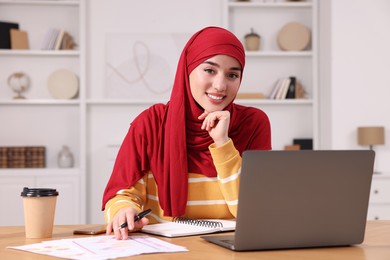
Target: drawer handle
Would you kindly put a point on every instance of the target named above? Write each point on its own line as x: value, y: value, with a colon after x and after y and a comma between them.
x: 376, y: 191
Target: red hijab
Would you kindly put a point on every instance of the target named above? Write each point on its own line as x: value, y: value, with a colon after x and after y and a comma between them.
x: 168, y: 140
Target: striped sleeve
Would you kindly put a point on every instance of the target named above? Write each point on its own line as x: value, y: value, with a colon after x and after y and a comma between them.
x: 133, y: 197
x: 227, y: 161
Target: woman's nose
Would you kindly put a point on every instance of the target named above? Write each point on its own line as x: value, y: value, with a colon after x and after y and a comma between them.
x: 220, y: 83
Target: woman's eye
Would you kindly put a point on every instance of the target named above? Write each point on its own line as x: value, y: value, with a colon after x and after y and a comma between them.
x: 234, y: 76
x: 209, y: 71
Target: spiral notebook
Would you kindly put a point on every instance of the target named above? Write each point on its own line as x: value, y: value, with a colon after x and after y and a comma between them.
x: 180, y: 227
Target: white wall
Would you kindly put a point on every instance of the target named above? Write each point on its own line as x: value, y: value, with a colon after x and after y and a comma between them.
x: 354, y: 82
x: 105, y: 122
x: 359, y: 74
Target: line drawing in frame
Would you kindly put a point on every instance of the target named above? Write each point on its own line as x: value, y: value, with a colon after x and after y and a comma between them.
x: 142, y: 66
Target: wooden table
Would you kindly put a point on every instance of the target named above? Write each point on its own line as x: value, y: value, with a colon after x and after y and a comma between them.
x: 375, y: 246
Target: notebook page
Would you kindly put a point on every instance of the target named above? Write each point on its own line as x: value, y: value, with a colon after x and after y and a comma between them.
x: 174, y: 229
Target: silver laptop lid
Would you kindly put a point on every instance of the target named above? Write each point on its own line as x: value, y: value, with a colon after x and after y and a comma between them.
x: 295, y: 199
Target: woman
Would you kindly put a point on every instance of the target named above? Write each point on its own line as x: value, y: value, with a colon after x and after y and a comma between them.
x: 183, y: 158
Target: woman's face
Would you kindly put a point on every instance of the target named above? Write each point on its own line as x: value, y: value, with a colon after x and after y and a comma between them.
x: 215, y: 82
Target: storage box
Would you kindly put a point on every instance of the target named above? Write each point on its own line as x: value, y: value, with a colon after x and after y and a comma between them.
x: 23, y: 157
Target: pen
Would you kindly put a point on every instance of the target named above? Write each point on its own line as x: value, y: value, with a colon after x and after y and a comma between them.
x: 136, y: 218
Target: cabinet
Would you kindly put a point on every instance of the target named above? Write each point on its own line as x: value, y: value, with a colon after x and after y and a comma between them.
x: 379, y: 206
x: 41, y: 119
x: 67, y: 182
x: 295, y: 118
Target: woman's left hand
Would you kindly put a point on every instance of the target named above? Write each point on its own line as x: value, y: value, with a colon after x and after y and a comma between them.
x: 217, y: 125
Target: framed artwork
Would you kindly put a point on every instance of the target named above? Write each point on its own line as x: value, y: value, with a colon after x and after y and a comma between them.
x: 142, y: 66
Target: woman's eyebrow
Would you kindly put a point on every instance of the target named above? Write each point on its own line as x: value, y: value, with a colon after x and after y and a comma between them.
x: 217, y: 65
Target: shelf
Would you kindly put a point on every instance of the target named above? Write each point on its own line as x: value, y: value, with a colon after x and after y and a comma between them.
x: 25, y: 53
x: 381, y: 174
x: 40, y: 2
x: 18, y: 102
x: 42, y: 119
x: 274, y: 102
x: 269, y: 64
x: 239, y: 101
x: 123, y: 102
x: 308, y: 54
x: 14, y: 172
x: 270, y: 5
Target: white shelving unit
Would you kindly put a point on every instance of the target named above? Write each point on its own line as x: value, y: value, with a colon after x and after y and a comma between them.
x: 379, y: 207
x: 40, y: 119
x: 97, y: 124
x: 290, y: 119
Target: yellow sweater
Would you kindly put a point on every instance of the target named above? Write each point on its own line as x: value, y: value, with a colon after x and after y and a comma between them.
x: 208, y: 198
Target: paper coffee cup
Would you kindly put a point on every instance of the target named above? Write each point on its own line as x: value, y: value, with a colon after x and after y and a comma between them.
x: 39, y: 209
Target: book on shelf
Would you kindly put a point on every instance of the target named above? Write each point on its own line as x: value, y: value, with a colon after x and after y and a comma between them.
x: 286, y: 84
x: 291, y: 88
x: 19, y: 39
x: 275, y: 89
x: 56, y: 39
x: 53, y: 39
x: 59, y: 39
x: 180, y: 227
x: 47, y: 39
x: 287, y: 88
x: 5, y: 33
x: 282, y: 91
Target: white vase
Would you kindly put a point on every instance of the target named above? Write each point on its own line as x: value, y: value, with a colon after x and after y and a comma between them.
x: 65, y: 158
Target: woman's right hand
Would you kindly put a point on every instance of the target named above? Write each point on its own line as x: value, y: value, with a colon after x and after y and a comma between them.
x: 125, y: 215
x: 217, y: 125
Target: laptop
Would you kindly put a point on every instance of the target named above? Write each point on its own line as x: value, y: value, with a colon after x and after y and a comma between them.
x: 301, y: 199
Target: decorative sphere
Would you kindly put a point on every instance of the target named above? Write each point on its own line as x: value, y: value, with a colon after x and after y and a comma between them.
x: 19, y: 82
